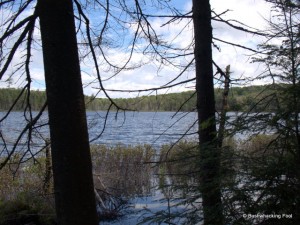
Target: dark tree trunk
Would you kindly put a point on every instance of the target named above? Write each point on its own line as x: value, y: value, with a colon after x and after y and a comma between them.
x: 209, y: 151
x: 48, y: 169
x: 72, y: 171
x: 224, y: 108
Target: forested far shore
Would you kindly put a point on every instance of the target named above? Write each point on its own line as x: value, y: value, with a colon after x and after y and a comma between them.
x: 239, y: 99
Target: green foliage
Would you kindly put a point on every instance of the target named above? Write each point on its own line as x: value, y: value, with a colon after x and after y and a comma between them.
x: 258, y: 98
x: 240, y: 99
x: 265, y: 176
x: 258, y: 177
x: 184, y: 101
x: 8, y: 97
x: 179, y: 162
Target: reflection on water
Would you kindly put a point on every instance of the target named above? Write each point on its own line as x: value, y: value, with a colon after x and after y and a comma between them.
x: 152, y: 191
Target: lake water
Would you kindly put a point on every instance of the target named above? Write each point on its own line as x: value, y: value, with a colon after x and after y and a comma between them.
x: 130, y: 128
x: 133, y: 128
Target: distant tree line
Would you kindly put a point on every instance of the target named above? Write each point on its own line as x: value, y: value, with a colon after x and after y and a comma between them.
x: 240, y: 99
x: 8, y: 97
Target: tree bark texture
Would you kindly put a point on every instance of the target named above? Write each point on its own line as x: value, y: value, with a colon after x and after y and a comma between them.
x: 72, y: 170
x: 209, y: 151
x: 224, y: 108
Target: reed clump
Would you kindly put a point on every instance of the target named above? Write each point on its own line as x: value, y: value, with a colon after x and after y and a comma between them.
x: 120, y: 173
x: 123, y: 170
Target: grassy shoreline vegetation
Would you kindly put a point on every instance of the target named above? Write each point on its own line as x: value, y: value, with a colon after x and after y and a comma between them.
x: 240, y: 99
x: 252, y: 183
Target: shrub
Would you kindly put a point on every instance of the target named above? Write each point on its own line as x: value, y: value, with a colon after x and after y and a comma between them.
x: 27, y: 208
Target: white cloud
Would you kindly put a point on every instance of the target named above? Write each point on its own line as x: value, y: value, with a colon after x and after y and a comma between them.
x: 250, y: 12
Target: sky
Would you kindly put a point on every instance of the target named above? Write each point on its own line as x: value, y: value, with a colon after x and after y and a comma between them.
x: 251, y: 12
x: 152, y: 74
